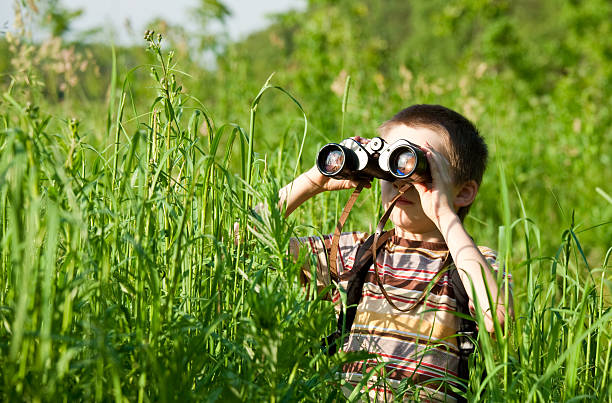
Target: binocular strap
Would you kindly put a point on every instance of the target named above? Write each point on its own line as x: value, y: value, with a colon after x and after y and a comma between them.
x: 333, y: 253
x: 468, y: 332
x: 333, y: 258
x: 379, y: 231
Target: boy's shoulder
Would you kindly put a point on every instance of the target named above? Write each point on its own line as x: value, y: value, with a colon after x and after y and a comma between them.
x: 486, y: 251
x: 491, y: 257
x: 323, y: 242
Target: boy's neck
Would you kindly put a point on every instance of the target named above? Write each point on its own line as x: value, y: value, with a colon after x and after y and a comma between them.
x: 432, y: 236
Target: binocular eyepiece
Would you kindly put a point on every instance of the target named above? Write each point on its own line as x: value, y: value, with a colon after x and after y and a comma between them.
x: 377, y: 159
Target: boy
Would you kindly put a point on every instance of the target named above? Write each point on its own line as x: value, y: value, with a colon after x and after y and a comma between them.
x: 428, y: 225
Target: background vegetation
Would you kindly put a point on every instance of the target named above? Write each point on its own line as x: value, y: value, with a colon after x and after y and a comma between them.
x: 123, y: 171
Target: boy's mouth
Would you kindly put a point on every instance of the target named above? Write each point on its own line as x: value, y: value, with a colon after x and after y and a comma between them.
x: 402, y: 201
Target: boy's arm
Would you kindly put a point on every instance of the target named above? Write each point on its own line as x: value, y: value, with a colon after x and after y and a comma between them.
x: 307, y: 185
x: 439, y: 202
x: 472, y: 265
x: 311, y: 183
x: 302, y: 188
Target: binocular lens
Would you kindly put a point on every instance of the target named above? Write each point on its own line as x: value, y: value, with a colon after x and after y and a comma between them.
x: 334, y: 161
x: 404, y: 163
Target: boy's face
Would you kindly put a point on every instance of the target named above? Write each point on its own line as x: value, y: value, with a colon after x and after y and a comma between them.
x: 407, y: 216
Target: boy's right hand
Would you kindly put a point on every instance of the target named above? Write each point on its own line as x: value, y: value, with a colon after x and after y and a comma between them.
x: 311, y: 183
x: 322, y: 183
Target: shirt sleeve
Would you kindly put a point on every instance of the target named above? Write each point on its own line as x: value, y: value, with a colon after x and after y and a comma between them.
x: 320, y: 248
x: 498, y: 269
x: 491, y: 256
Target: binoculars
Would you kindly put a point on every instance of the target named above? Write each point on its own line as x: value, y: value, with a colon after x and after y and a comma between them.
x: 377, y: 159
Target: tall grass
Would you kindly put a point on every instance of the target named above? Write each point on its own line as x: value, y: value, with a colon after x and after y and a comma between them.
x: 123, y: 279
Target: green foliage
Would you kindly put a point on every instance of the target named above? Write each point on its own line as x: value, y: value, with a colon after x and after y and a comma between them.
x: 123, y: 276
x: 57, y: 18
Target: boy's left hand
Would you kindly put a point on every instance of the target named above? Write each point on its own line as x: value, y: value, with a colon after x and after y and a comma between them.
x: 437, y: 196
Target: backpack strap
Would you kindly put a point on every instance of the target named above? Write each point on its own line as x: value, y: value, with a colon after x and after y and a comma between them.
x: 468, y: 331
x: 363, y: 261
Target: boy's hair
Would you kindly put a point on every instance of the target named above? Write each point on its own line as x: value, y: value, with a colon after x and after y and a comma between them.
x: 466, y: 149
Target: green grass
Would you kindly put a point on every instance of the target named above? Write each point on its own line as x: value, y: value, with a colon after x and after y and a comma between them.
x: 121, y: 278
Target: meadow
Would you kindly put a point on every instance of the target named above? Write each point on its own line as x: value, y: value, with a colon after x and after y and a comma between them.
x: 122, y: 277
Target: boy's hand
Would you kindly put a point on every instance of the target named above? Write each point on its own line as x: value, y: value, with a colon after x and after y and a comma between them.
x: 311, y: 183
x: 436, y: 196
x: 324, y: 183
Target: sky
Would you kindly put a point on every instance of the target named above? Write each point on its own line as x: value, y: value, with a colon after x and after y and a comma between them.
x: 247, y: 15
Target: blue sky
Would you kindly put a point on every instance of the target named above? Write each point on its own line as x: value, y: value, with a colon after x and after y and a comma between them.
x: 247, y: 15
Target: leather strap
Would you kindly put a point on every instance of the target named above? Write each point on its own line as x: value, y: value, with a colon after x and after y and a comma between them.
x: 333, y: 253
x: 468, y: 331
x: 379, y: 230
x: 333, y: 258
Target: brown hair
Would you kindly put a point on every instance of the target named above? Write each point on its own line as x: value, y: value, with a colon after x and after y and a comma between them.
x: 467, y: 150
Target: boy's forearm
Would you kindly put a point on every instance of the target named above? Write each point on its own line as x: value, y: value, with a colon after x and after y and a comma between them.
x: 299, y: 190
x: 472, y: 265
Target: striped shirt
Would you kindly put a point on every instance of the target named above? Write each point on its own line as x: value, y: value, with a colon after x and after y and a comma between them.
x: 420, y: 344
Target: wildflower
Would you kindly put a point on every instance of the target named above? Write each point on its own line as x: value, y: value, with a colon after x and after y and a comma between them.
x: 73, y: 124
x: 148, y: 36
x: 32, y: 110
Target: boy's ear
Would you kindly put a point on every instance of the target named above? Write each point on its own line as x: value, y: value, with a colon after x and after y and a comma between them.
x: 466, y: 194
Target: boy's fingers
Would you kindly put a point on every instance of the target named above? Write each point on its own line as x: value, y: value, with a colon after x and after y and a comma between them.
x: 438, y: 163
x: 354, y: 184
x: 361, y: 140
x: 436, y: 156
x: 433, y: 162
x: 422, y: 187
